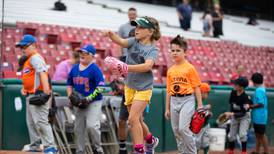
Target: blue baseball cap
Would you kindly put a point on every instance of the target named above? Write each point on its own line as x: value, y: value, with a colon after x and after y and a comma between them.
x: 88, y: 48
x: 26, y: 40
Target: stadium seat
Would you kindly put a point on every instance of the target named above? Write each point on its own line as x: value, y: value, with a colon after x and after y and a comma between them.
x: 11, y: 74
x: 52, y: 38
x: 31, y: 31
x: 214, y: 60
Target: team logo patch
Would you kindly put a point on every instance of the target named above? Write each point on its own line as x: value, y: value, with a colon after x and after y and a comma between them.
x: 176, y: 88
x: 26, y: 71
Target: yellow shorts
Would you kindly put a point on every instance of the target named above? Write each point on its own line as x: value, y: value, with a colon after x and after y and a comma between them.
x: 132, y: 95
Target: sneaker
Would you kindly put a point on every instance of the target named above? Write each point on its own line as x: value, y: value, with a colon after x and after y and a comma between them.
x: 34, y: 147
x: 51, y: 150
x: 98, y: 151
x: 135, y: 152
x: 123, y: 150
x: 150, y: 147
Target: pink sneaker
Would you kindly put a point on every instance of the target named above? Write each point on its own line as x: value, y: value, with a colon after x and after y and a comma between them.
x: 151, y: 147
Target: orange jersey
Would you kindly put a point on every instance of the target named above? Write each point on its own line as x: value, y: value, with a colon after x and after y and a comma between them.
x: 29, y: 77
x: 182, y: 79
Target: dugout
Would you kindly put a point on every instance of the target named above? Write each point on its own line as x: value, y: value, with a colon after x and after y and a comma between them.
x: 14, y: 134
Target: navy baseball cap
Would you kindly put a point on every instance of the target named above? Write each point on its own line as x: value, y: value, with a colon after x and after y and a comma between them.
x: 26, y: 40
x: 142, y: 22
x: 242, y: 81
x: 88, y: 48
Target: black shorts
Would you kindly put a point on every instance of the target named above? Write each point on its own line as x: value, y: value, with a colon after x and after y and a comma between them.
x: 259, y: 128
x: 123, y: 115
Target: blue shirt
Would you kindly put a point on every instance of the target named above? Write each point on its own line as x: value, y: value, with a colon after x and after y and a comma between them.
x: 259, y: 115
x: 87, y: 80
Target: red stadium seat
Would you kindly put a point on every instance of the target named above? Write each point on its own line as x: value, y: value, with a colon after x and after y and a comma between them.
x: 157, y: 79
x: 214, y: 60
x: 52, y: 38
x: 6, y: 66
x: 31, y: 31
x: 11, y: 74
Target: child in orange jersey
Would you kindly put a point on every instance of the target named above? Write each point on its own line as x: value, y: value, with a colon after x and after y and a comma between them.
x: 183, y: 85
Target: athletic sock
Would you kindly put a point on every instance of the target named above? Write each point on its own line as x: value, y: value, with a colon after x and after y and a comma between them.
x: 231, y: 146
x: 122, y: 145
x: 139, y: 148
x: 243, y: 146
x: 206, y: 150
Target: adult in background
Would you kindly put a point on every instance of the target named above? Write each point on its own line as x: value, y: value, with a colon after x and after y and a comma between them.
x: 124, y: 30
x: 218, y: 16
x: 36, y: 83
x: 64, y: 67
x: 184, y: 11
x: 240, y: 72
x: 60, y: 6
x: 207, y: 23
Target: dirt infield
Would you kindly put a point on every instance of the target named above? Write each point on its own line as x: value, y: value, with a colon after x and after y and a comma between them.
x: 271, y: 151
x: 172, y: 152
x: 17, y: 152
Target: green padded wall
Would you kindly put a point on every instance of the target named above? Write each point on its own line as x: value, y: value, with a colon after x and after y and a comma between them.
x: 15, y: 134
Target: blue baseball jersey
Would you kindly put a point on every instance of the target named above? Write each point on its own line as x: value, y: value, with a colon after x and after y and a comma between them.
x: 259, y: 115
x: 86, y: 81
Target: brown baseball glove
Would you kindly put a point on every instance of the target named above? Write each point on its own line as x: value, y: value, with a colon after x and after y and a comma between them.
x: 223, y: 118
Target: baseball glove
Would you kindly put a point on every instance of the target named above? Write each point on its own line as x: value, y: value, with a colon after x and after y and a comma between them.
x: 78, y: 100
x: 198, y: 120
x: 223, y: 118
x: 39, y: 99
x: 116, y: 66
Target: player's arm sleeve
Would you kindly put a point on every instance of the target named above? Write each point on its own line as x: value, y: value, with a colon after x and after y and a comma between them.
x: 38, y: 64
x: 195, y: 80
x: 153, y: 55
x: 70, y: 79
x: 131, y: 41
x: 98, y: 77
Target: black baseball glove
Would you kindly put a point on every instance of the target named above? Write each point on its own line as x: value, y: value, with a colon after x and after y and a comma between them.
x: 39, y: 99
x: 78, y: 100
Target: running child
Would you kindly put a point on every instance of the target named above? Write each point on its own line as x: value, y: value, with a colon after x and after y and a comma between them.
x: 141, y: 56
